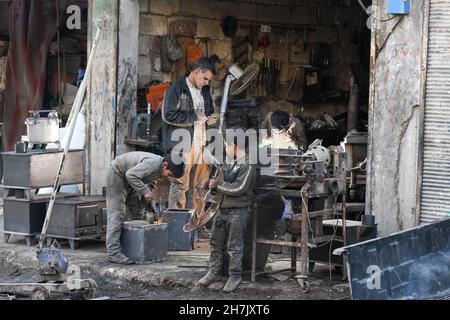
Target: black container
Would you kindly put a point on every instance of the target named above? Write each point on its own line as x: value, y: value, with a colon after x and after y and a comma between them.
x: 77, y: 218
x: 22, y: 216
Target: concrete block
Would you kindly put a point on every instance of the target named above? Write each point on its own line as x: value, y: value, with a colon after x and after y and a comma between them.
x: 302, y: 15
x: 209, y: 28
x: 220, y: 47
x: 221, y: 9
x: 318, y: 35
x: 290, y: 2
x: 265, y: 1
x: 296, y: 53
x: 326, y: 16
x: 278, y: 14
x: 165, y: 7
x: 261, y: 13
x: 144, y: 45
x: 153, y: 25
x: 281, y: 50
x: 248, y: 11
x: 242, y: 32
x: 316, y: 3
x: 329, y: 35
x: 284, y: 72
x: 183, y: 26
x: 144, y: 66
x: 197, y: 8
x: 143, y: 6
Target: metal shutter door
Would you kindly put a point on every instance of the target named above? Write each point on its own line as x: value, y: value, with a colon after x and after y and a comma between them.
x: 435, y: 197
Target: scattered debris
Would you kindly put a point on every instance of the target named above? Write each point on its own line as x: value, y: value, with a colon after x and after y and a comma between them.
x: 7, y: 297
x: 280, y: 276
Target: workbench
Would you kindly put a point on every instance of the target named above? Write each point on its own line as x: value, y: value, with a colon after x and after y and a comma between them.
x: 302, y: 186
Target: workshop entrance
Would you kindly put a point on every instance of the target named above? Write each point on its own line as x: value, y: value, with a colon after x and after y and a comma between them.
x: 313, y: 64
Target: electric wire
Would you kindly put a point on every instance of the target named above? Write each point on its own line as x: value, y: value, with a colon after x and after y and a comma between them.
x: 372, y: 15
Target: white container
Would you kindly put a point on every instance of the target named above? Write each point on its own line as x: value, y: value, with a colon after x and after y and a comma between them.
x: 43, y: 130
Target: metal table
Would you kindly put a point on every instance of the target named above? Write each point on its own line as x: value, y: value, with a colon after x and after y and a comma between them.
x: 304, y: 244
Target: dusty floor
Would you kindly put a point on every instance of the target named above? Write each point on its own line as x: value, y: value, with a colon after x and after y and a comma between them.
x: 173, y: 279
x: 320, y: 289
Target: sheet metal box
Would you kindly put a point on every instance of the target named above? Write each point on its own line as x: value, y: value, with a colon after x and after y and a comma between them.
x: 77, y: 217
x: 178, y: 239
x: 144, y: 242
x: 38, y: 169
x: 24, y: 217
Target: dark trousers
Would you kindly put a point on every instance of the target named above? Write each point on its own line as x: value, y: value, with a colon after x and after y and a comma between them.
x: 120, y: 208
x: 227, y: 235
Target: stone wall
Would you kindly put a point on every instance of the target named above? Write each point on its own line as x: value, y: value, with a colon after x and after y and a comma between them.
x: 394, y: 123
x: 296, y: 27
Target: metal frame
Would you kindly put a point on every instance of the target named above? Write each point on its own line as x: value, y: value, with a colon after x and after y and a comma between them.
x: 304, y: 244
x: 371, y: 111
x: 420, y: 147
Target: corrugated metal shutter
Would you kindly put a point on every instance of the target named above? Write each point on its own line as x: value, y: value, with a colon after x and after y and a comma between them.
x: 4, y: 20
x: 435, y: 198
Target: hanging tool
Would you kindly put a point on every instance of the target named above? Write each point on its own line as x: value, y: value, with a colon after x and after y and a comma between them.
x: 149, y: 120
x: 267, y: 84
x: 277, y: 77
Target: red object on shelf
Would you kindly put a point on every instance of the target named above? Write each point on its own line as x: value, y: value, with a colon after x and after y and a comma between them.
x: 155, y: 95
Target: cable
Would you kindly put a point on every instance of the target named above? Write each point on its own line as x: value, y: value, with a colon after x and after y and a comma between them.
x: 389, y: 35
x: 334, y: 235
x: 371, y: 15
x: 362, y: 6
x: 310, y: 225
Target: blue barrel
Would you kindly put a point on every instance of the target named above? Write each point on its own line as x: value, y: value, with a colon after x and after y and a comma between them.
x: 178, y: 239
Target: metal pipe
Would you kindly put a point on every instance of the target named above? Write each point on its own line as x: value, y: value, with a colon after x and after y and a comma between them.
x: 254, y: 230
x: 305, y: 233
x: 224, y: 103
x: 373, y: 66
x: 353, y: 109
x: 292, y: 244
x: 294, y: 253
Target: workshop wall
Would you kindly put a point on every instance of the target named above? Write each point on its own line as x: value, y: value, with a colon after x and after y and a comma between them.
x: 297, y: 27
x: 394, y: 124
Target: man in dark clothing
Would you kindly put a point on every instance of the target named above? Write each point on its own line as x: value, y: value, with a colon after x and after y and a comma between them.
x: 229, y: 224
x: 129, y: 173
x: 188, y: 105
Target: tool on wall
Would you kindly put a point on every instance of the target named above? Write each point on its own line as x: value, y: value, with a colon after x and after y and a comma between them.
x: 268, y: 79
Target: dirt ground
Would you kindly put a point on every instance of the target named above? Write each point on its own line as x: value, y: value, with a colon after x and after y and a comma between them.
x: 320, y: 289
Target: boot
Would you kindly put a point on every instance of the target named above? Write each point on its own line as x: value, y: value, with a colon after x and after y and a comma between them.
x: 232, y: 284
x: 120, y: 258
x: 209, y: 278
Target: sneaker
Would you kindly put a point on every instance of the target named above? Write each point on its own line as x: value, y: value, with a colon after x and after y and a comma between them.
x: 120, y: 258
x: 209, y: 278
x: 232, y: 284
